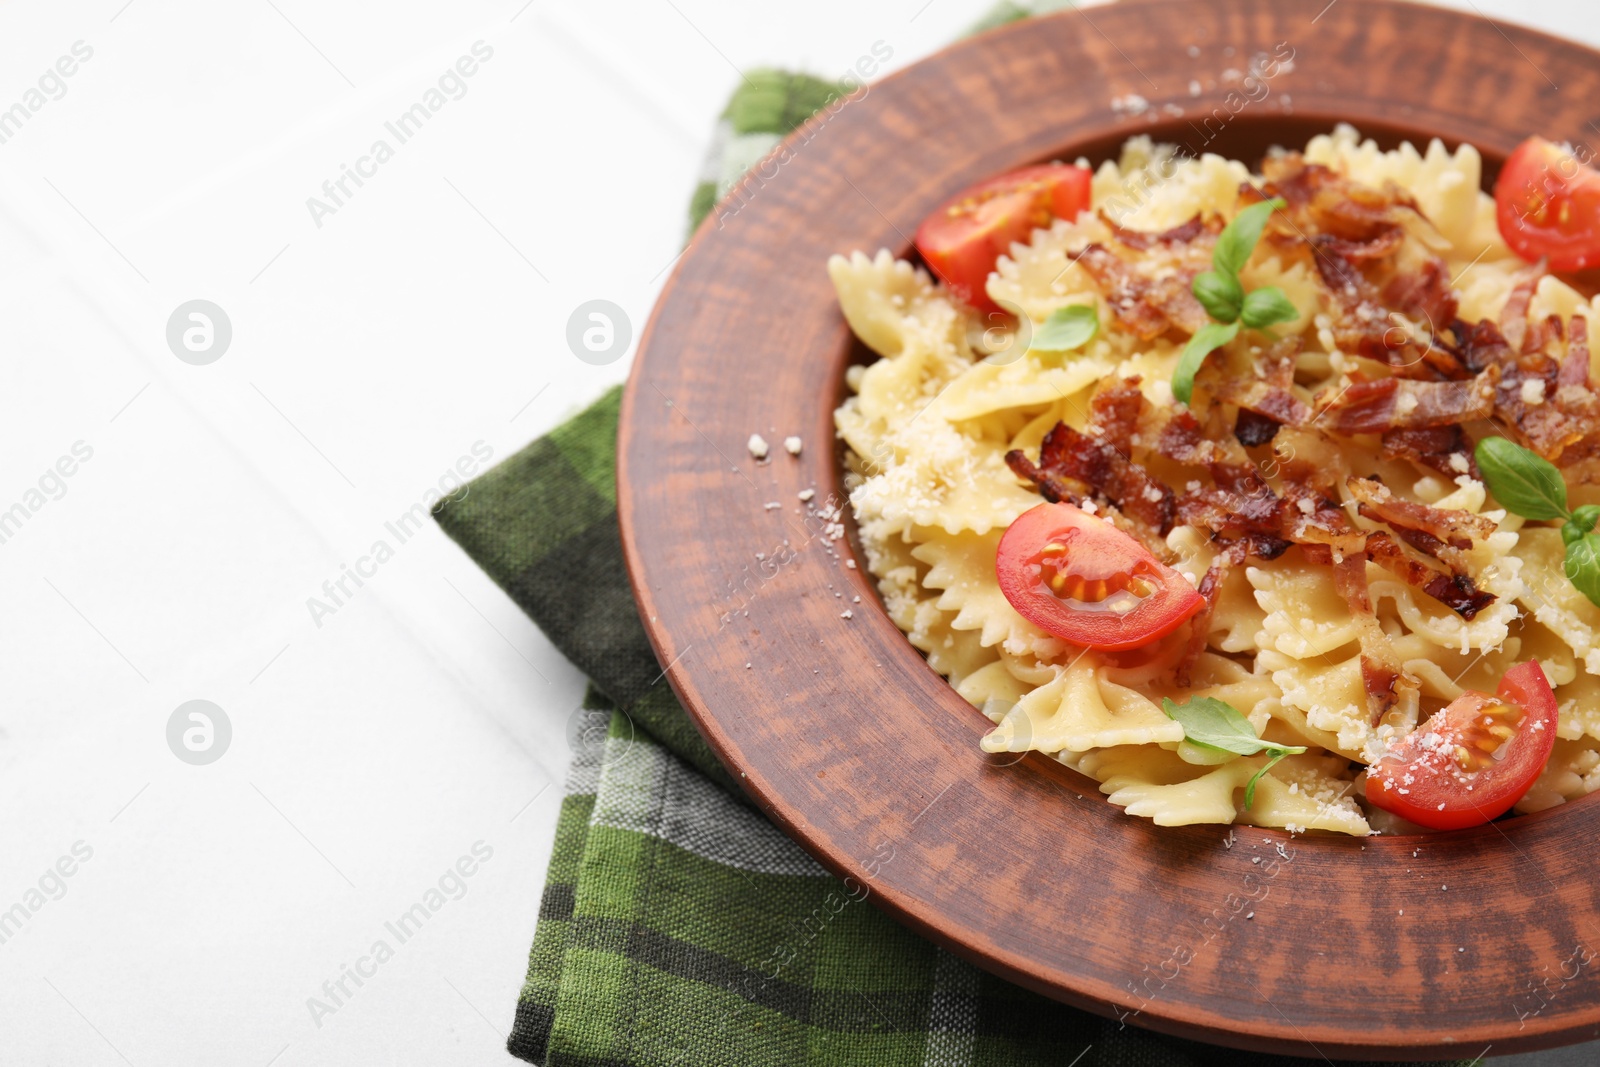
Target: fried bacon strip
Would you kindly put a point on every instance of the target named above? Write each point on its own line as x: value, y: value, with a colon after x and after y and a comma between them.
x: 1549, y: 332
x: 1337, y: 267
x: 1339, y: 544
x: 1574, y: 369
x: 1073, y: 466
x: 1210, y: 588
x: 1115, y: 412
x: 1481, y: 345
x: 1240, y: 507
x: 1322, y: 201
x: 1422, y: 527
x: 1442, y: 448
x: 1266, y: 395
x: 1455, y: 591
x: 1382, y: 673
x: 1200, y: 226
x: 1514, y: 316
x: 1048, y: 475
x: 1138, y: 303
x: 1381, y: 404
x: 1424, y: 293
x: 1325, y: 530
x: 1184, y: 440
x: 1361, y: 325
x: 1252, y: 429
x: 1156, y: 294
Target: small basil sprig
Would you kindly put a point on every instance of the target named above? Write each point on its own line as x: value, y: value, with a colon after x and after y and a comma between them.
x: 1222, y: 295
x: 1530, y: 485
x: 1583, y: 556
x: 1215, y: 724
x: 1067, y: 328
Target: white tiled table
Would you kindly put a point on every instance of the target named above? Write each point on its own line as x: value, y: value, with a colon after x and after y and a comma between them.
x: 418, y: 325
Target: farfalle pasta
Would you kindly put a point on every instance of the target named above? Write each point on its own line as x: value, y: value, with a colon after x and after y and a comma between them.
x: 1457, y: 590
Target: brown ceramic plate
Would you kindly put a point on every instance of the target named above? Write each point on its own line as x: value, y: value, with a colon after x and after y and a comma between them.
x: 845, y: 736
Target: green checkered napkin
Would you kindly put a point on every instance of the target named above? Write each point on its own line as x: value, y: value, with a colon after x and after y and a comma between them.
x: 678, y: 927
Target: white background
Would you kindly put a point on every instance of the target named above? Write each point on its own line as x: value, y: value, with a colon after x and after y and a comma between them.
x: 369, y: 354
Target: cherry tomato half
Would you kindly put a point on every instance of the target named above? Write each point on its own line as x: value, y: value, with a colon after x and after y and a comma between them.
x: 1087, y: 582
x: 1548, y: 204
x: 1473, y: 759
x: 961, y: 240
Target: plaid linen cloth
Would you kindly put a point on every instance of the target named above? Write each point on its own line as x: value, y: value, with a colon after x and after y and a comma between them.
x: 678, y: 927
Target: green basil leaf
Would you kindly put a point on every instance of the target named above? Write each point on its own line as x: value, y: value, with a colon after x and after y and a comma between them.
x: 1067, y: 328
x: 1238, y: 239
x: 1220, y: 294
x: 1584, y: 518
x: 1521, y: 480
x: 1267, y: 306
x: 1207, y: 340
x: 1250, y: 790
x: 1583, y: 566
x: 1215, y: 723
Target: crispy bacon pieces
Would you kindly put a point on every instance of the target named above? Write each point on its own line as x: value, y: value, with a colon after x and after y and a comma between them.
x: 1574, y: 369
x: 1184, y: 440
x: 1432, y: 526
x: 1197, y: 228
x: 1381, y: 404
x: 1241, y: 506
x: 1150, y: 303
x: 1542, y: 390
x: 1073, y: 466
x: 1265, y: 399
x: 1407, y: 371
x: 1151, y: 292
x: 1252, y: 429
x: 1323, y: 202
x: 1441, y: 448
x: 1390, y: 295
x: 1455, y: 591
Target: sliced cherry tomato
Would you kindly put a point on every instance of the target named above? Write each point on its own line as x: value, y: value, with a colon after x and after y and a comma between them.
x: 1473, y: 759
x: 961, y: 240
x: 1548, y: 204
x: 1087, y: 582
